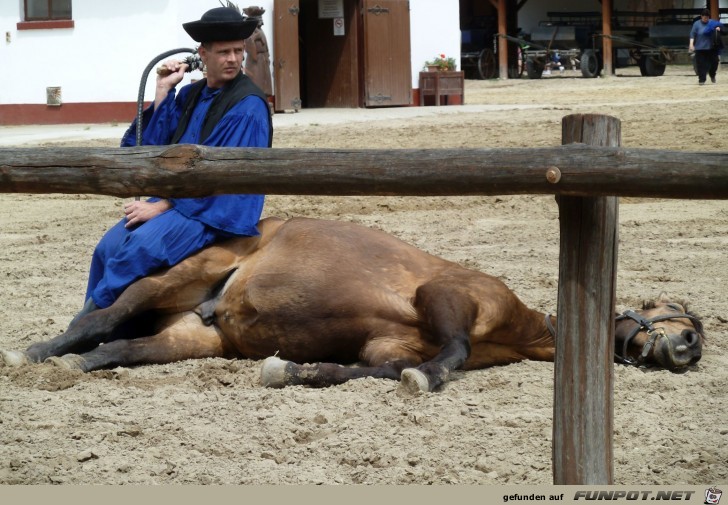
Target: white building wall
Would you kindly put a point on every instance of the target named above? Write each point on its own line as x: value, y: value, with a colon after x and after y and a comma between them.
x: 94, y: 61
x: 102, y: 58
x: 434, y: 30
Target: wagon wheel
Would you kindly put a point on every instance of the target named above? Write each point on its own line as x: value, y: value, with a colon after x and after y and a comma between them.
x: 652, y: 66
x: 591, y: 63
x: 486, y: 64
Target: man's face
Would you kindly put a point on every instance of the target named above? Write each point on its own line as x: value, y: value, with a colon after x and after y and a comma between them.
x: 704, y: 19
x: 222, y: 60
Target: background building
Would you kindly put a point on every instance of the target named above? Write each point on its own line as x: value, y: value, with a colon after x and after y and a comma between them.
x: 78, y: 61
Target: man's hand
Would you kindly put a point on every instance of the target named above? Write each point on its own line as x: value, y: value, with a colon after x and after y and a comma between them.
x: 138, y: 212
x: 176, y: 71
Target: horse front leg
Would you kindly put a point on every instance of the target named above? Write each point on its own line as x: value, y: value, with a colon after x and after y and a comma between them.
x: 92, y: 329
x: 183, y: 337
x: 176, y: 289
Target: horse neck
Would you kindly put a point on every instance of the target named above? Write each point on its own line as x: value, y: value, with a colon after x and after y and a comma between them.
x: 536, y: 330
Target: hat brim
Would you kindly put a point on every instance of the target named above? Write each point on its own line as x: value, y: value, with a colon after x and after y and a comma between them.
x: 205, y: 31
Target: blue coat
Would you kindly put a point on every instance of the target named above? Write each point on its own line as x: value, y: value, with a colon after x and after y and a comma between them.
x: 125, y: 255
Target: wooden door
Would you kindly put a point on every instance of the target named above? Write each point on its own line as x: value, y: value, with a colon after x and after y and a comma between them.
x: 387, y: 61
x: 286, y: 57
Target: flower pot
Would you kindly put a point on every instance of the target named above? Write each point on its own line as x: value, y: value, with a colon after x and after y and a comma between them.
x: 433, y: 68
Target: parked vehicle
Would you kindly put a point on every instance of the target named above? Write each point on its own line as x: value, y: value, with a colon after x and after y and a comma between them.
x: 646, y: 39
x: 574, y: 40
x: 479, y: 50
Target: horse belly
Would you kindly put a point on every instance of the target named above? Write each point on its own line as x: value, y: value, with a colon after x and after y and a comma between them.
x: 259, y: 328
x: 331, y: 340
x: 265, y: 315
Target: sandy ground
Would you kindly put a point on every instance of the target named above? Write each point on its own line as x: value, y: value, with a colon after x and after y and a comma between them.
x: 209, y: 421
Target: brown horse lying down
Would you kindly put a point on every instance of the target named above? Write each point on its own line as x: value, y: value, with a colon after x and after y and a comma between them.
x: 325, y: 291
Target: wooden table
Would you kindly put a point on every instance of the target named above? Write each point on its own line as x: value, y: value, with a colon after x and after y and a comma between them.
x: 443, y: 83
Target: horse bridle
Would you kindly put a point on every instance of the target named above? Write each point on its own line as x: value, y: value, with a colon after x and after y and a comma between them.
x: 643, y: 324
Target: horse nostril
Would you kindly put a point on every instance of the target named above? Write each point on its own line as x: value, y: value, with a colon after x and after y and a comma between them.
x: 691, y: 337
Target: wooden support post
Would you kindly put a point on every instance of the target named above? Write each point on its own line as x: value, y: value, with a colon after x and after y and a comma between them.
x: 583, y: 368
x: 607, y: 38
x: 502, y: 40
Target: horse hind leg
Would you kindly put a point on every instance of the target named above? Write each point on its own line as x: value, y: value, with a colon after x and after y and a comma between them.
x: 432, y: 374
x: 278, y: 373
x: 448, y: 313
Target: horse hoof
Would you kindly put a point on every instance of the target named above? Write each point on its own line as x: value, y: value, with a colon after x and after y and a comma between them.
x: 414, y: 381
x: 67, y: 362
x: 13, y: 358
x: 273, y: 372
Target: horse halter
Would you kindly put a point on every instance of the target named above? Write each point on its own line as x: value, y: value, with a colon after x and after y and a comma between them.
x: 644, y: 324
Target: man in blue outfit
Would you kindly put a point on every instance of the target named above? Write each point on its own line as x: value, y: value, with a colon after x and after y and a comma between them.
x: 706, y: 43
x: 225, y: 109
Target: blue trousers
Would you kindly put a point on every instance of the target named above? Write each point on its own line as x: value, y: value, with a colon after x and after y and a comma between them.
x: 123, y: 255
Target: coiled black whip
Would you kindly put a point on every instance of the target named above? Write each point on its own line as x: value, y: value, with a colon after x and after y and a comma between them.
x: 194, y: 63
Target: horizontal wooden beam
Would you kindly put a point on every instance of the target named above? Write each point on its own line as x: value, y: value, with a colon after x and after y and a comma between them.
x: 190, y: 171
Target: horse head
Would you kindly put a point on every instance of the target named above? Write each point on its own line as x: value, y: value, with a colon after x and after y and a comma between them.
x: 663, y: 333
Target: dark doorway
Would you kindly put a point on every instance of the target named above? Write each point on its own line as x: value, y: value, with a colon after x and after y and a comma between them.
x: 328, y: 57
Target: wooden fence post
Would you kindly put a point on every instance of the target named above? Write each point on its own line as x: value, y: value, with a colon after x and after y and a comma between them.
x: 583, y: 368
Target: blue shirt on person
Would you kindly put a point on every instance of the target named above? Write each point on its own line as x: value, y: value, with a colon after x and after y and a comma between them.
x: 702, y: 34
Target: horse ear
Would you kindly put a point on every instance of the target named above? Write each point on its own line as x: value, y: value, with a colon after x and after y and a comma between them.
x: 663, y: 298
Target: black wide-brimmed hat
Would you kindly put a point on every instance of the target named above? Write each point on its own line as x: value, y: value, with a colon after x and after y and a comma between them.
x: 221, y: 24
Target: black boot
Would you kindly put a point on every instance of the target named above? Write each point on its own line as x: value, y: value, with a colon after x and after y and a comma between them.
x: 89, y: 307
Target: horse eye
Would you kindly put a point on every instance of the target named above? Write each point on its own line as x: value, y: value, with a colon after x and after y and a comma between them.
x: 675, y: 306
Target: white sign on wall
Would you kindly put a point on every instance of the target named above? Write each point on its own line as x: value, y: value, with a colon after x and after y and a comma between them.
x: 330, y: 9
x: 339, y: 27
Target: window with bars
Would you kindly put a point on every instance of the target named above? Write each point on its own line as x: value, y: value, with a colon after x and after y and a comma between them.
x: 47, y: 10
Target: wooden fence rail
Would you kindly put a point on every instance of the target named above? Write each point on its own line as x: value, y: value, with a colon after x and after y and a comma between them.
x: 586, y: 177
x: 189, y: 171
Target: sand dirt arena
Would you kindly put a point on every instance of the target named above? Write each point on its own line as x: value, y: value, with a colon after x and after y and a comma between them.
x: 210, y: 422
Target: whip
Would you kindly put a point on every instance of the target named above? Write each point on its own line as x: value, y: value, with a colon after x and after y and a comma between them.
x: 194, y: 63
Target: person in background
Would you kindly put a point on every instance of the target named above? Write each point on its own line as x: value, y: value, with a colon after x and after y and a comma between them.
x: 224, y: 109
x: 706, y: 43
